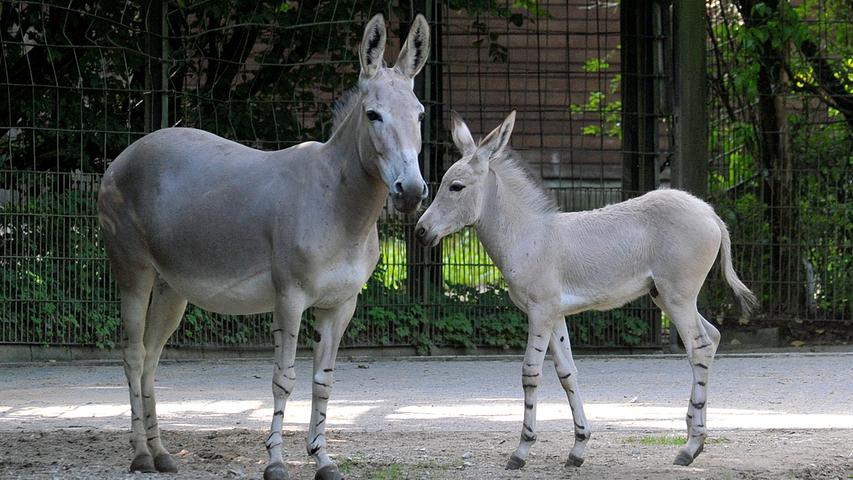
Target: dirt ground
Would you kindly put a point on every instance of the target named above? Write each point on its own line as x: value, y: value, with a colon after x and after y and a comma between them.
x: 768, y: 454
x: 771, y: 417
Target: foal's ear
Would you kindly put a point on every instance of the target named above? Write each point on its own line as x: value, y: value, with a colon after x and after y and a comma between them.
x: 372, y: 46
x: 499, y: 137
x: 461, y: 135
x: 415, y: 51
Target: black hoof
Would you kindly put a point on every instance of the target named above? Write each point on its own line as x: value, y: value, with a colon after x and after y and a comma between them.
x: 698, y: 451
x: 514, y: 463
x: 574, y: 461
x: 329, y: 472
x: 143, y: 463
x: 683, y: 458
x: 165, y: 463
x: 276, y: 471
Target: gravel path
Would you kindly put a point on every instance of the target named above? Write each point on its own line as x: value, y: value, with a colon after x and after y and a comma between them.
x: 769, y: 416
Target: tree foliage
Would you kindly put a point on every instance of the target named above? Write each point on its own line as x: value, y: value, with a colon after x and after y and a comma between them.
x: 782, y: 80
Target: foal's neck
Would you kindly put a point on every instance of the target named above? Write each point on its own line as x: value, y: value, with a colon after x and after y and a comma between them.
x: 508, y: 224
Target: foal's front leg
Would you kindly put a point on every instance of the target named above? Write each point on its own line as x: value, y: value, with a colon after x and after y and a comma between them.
x: 539, y: 332
x: 285, y: 329
x: 329, y: 328
x: 567, y: 372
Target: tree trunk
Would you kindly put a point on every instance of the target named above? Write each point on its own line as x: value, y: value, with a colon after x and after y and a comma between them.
x: 779, y: 184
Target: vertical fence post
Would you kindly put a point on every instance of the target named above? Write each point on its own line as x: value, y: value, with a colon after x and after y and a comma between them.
x: 690, y: 165
x: 156, y: 73
x: 690, y: 125
x: 424, y: 263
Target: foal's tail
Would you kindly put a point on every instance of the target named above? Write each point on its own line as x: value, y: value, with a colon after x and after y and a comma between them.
x: 747, y: 299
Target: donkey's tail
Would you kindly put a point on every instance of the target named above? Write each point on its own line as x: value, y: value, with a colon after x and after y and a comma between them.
x: 747, y: 299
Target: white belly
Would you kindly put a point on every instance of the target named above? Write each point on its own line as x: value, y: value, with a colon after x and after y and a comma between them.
x: 243, y: 296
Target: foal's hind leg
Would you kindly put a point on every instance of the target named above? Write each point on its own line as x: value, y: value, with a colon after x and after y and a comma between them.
x: 135, y: 289
x: 714, y: 334
x: 561, y: 350
x: 700, y: 343
x: 164, y: 314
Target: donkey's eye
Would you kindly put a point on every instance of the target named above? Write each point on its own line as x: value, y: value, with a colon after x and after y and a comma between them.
x: 456, y: 187
x: 421, y: 117
x: 374, y: 116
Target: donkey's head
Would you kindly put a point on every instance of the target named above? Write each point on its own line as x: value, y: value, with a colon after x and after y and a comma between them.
x: 389, y: 114
x: 459, y: 200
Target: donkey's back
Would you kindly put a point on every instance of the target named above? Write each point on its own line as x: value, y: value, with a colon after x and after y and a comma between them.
x: 201, y: 209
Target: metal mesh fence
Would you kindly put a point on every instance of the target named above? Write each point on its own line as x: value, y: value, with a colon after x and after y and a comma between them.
x: 82, y: 82
x: 781, y: 136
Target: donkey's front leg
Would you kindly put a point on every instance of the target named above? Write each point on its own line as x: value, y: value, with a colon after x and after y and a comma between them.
x: 285, y: 329
x: 567, y: 372
x: 537, y: 343
x: 329, y: 328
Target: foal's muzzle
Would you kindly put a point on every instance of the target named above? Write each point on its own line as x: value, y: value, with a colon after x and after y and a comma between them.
x: 425, y: 236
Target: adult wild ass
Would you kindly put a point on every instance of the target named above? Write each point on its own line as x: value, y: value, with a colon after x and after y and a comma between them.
x: 663, y: 243
x: 189, y: 216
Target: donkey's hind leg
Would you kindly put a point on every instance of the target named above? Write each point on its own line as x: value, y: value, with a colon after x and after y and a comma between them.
x: 135, y: 287
x: 164, y: 314
x: 561, y: 350
x: 701, y: 342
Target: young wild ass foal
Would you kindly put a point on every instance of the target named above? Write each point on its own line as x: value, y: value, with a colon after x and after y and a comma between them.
x: 556, y: 264
x: 189, y: 216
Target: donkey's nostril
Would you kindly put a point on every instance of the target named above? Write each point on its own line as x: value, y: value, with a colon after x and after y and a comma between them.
x: 398, y: 188
x: 420, y: 232
x: 425, y: 191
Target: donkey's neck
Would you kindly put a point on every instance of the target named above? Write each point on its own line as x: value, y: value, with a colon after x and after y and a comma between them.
x: 508, y: 224
x: 361, y: 196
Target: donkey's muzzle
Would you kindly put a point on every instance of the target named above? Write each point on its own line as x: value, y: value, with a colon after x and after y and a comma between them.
x: 407, y: 196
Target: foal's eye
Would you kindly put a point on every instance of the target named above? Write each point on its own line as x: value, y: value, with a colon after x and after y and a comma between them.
x: 421, y: 117
x: 374, y: 116
x: 456, y: 187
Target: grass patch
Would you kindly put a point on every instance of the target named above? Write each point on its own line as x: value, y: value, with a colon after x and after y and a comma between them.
x: 345, y: 466
x: 391, y: 472
x: 675, y: 440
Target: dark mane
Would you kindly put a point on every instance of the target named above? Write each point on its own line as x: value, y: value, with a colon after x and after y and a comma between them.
x: 343, y: 107
x: 516, y: 174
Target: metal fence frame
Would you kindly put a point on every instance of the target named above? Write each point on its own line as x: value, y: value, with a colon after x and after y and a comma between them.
x: 417, y: 300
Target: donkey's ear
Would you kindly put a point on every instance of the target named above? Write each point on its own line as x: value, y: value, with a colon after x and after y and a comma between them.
x: 415, y: 51
x: 499, y: 137
x: 461, y: 135
x: 372, y: 46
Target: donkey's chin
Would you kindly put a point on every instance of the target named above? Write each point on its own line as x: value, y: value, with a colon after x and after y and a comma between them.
x: 405, y: 206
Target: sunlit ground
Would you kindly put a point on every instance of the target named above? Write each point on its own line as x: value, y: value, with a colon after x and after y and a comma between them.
x: 491, y: 414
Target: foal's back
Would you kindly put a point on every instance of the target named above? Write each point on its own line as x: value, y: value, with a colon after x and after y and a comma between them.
x: 611, y: 255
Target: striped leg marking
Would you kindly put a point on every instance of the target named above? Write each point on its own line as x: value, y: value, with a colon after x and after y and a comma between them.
x: 561, y: 350
x: 531, y: 372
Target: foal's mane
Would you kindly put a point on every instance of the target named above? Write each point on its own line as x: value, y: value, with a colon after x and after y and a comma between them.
x: 517, y: 175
